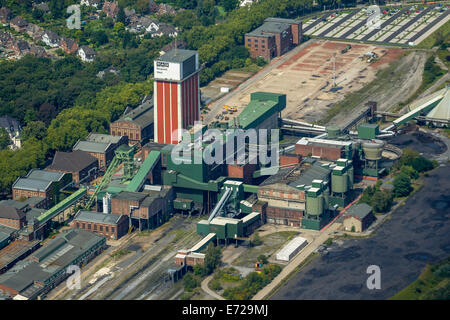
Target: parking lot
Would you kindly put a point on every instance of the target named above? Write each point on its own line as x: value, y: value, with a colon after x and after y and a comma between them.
x: 398, y: 26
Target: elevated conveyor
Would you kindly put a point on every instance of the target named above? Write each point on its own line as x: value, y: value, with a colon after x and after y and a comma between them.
x: 223, y: 200
x: 148, y: 165
x: 61, y: 206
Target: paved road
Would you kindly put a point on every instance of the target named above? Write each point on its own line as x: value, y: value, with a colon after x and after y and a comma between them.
x: 417, y: 233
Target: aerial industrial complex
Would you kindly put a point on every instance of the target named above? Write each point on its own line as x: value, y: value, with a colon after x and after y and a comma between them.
x: 144, y: 172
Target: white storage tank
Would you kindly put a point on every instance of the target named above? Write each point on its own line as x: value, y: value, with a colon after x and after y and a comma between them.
x: 291, y: 249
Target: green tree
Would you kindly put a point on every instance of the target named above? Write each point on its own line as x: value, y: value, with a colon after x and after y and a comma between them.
x: 34, y: 129
x: 186, y: 19
x: 402, y: 185
x: 190, y: 282
x: 409, y: 171
x: 263, y: 259
x: 212, y: 258
x: 206, y: 12
x: 256, y: 241
x: 5, y: 140
x: 422, y: 164
x: 382, y: 200
x: 121, y: 15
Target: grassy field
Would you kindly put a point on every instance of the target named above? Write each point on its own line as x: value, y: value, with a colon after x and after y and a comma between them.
x: 271, y: 243
x: 432, y: 284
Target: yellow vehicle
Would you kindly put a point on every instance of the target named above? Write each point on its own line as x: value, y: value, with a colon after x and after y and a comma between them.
x: 234, y: 109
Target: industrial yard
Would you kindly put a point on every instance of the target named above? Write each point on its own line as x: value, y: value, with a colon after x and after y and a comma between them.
x: 307, y: 77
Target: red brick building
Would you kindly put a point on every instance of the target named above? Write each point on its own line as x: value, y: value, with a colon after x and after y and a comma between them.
x: 80, y: 164
x: 242, y: 171
x: 322, y: 148
x: 12, y: 217
x: 137, y: 124
x: 113, y: 226
x: 274, y: 38
x: 148, y: 209
x: 101, y: 146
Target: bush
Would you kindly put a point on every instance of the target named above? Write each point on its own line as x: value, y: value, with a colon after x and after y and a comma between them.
x: 256, y: 241
x: 402, y: 185
x: 215, y: 285
x: 422, y: 164
x: 190, y: 282
x: 263, y: 259
x: 409, y: 171
x: 443, y: 271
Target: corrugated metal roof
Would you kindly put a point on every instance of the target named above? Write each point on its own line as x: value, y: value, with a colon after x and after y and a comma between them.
x: 104, y: 138
x: 315, y: 172
x: 45, y: 175
x: 145, y: 168
x: 90, y: 146
x: 292, y: 245
x: 32, y: 184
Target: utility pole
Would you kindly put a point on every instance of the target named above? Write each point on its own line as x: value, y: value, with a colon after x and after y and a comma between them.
x: 334, y: 70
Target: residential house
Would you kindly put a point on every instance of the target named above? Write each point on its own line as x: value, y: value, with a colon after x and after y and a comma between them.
x: 43, y: 6
x: 247, y: 2
x: 90, y: 3
x: 87, y: 54
x: 110, y: 9
x: 68, y: 45
x: 153, y: 7
x: 6, y: 40
x: 5, y: 15
x: 110, y: 69
x: 18, y: 24
x: 166, y: 9
x: 21, y: 47
x: 38, y: 51
x: 34, y: 31
x: 12, y: 126
x: 51, y: 38
x: 165, y: 29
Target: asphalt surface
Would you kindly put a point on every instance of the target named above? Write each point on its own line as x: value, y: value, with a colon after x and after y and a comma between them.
x: 417, y: 233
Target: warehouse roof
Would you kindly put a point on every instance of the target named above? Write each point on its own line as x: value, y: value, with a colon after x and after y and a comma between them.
x: 315, y: 172
x: 3, y: 236
x: 32, y: 184
x: 324, y: 142
x: 283, y: 20
x: 141, y: 115
x: 131, y: 196
x: 104, y: 138
x: 359, y: 211
x: 97, y: 217
x: 74, y: 161
x: 34, y: 213
x: 15, y: 204
x: 177, y: 56
x: 91, y: 146
x: 45, y: 175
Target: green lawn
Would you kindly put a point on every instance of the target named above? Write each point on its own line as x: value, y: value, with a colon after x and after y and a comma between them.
x: 432, y: 284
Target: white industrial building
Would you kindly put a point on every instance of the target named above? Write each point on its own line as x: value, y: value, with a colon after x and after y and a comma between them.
x: 291, y: 249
